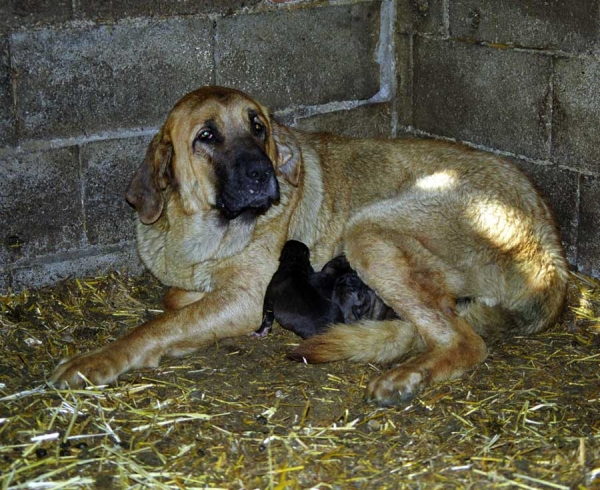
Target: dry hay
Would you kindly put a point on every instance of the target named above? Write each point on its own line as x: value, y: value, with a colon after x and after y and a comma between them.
x: 239, y: 415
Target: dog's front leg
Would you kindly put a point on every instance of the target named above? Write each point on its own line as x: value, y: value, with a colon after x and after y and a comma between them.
x: 225, y: 312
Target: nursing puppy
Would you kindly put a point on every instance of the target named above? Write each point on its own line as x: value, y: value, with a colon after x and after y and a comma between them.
x: 300, y: 299
x: 307, y: 302
x: 357, y: 301
x: 223, y: 186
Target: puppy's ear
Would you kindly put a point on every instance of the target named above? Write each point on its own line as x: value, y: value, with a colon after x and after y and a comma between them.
x: 150, y: 179
x: 288, y: 161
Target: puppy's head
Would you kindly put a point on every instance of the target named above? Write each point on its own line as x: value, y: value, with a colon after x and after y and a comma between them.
x: 295, y: 252
x: 218, y: 149
x: 352, y: 296
x: 336, y: 267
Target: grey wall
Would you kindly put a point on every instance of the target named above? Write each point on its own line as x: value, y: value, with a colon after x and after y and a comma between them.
x: 84, y: 85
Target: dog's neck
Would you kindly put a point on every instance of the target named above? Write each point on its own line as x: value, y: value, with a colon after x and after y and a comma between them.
x: 303, y: 225
x: 181, y: 251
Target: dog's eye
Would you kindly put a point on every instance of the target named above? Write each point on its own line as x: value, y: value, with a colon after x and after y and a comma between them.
x: 206, y: 135
x: 258, y: 128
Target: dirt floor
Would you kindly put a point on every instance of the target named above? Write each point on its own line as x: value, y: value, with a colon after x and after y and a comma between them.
x: 239, y: 415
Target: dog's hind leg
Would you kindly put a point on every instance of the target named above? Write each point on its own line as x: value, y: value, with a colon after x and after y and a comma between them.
x: 414, y: 282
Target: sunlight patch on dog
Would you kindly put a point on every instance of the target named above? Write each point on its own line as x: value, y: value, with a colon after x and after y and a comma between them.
x: 508, y: 229
x: 500, y: 224
x: 437, y: 181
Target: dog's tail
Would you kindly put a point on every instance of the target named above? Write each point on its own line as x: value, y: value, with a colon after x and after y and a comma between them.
x: 366, y: 341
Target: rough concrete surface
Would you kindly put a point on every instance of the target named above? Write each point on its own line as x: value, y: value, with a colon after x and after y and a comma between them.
x: 575, y: 135
x: 364, y: 121
x: 99, y: 78
x: 301, y: 57
x: 588, y: 240
x: 83, y: 85
x: 7, y: 126
x: 98, y: 263
x: 421, y: 16
x: 492, y: 97
x: 547, y: 24
x: 40, y: 203
x: 110, y: 165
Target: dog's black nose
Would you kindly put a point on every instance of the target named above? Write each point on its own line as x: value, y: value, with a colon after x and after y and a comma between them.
x: 258, y: 171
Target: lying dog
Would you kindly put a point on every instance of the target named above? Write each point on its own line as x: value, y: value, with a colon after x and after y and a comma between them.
x: 306, y: 302
x: 223, y: 187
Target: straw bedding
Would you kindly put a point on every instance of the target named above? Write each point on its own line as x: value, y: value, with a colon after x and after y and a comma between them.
x: 238, y: 415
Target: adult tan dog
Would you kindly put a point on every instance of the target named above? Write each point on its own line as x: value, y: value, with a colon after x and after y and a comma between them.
x: 424, y: 223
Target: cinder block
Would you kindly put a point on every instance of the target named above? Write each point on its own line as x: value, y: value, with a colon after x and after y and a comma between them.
x: 109, y: 166
x: 119, y: 9
x: 95, y: 78
x: 42, y: 11
x: 421, y: 16
x: 589, y: 231
x: 8, y: 249
x: 575, y: 135
x: 404, y: 67
x: 40, y: 204
x: 565, y: 25
x: 19, y: 13
x: 47, y: 274
x: 4, y: 281
x: 494, y: 97
x: 7, y: 119
x: 310, y: 56
x: 364, y: 121
x: 560, y: 188
x: 5, y: 16
x: 97, y: 10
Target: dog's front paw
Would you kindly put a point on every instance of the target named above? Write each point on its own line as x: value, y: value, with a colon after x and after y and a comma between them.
x: 97, y: 368
x: 396, y: 387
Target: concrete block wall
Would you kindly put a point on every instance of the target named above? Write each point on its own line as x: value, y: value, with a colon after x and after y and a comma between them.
x: 85, y: 84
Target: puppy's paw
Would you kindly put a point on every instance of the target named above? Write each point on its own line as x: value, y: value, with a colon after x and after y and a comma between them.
x: 97, y: 368
x: 396, y: 387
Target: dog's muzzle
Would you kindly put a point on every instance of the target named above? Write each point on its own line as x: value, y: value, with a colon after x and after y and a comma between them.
x: 250, y: 186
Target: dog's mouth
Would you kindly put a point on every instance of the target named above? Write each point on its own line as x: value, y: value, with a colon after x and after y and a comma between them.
x: 247, y: 184
x: 248, y: 201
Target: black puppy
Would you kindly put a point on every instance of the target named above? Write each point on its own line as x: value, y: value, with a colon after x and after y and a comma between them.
x: 297, y: 297
x: 306, y: 302
x: 356, y: 300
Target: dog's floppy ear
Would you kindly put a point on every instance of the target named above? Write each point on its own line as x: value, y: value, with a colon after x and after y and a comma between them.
x: 289, y: 156
x: 150, y: 179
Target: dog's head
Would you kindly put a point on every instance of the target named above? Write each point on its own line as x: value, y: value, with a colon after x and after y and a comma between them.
x: 218, y: 149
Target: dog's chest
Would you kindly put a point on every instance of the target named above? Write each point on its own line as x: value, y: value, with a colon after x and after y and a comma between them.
x: 187, y: 252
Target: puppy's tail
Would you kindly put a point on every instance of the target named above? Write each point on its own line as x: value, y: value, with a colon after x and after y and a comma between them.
x: 366, y: 341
